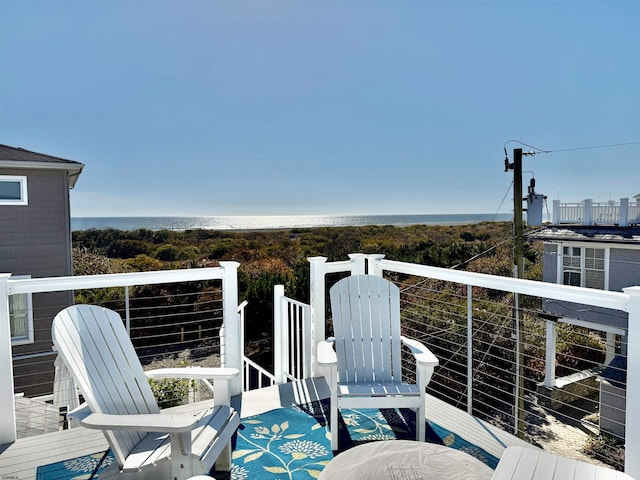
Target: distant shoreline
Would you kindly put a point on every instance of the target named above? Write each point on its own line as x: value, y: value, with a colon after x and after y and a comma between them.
x: 277, y: 222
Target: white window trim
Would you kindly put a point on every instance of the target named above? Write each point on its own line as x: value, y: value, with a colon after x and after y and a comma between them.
x: 24, y: 197
x: 29, y: 338
x: 582, y: 245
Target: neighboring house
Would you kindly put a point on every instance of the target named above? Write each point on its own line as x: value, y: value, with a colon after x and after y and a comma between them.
x: 35, y: 241
x: 594, y: 245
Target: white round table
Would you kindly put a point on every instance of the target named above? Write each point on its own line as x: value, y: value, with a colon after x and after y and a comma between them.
x: 405, y: 460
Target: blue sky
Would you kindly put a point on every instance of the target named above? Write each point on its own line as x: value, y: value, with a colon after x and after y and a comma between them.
x: 332, y: 107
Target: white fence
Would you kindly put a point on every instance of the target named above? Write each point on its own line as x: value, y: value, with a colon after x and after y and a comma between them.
x: 589, y: 212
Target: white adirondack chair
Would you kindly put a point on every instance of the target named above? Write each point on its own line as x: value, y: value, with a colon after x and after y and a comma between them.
x: 146, y: 443
x: 364, y: 369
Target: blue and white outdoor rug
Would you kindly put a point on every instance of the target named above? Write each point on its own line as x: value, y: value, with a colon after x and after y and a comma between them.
x: 292, y: 443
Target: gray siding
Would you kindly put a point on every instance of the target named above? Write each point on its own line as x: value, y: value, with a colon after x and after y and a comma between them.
x: 550, y: 263
x: 35, y: 239
x: 624, y: 269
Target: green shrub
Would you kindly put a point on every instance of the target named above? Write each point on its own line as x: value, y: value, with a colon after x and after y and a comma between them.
x: 605, y: 448
x: 171, y: 392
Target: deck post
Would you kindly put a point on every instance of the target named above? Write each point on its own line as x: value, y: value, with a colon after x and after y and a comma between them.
x: 280, y: 344
x: 373, y: 264
x: 7, y: 404
x: 632, y: 421
x: 317, y: 301
x: 231, y: 320
x: 470, y: 349
x: 358, y: 263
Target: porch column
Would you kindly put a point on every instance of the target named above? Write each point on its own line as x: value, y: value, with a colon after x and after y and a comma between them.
x: 317, y: 301
x: 232, y: 332
x: 632, y: 422
x: 8, y: 418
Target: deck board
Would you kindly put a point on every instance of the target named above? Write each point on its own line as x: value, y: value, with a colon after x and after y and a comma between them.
x: 20, y: 459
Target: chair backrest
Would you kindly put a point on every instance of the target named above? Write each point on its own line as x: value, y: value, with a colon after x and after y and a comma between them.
x: 97, y: 350
x: 366, y: 325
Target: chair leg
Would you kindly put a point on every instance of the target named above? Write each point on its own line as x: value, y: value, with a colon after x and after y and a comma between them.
x: 224, y: 461
x: 421, y: 428
x: 333, y: 427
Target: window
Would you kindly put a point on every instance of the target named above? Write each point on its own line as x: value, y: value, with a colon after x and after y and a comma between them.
x: 21, y: 316
x: 583, y: 267
x: 13, y: 190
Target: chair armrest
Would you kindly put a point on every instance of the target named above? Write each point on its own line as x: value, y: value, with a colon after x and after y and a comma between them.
x: 326, y: 353
x: 141, y: 423
x: 194, y: 372
x: 422, y: 354
x: 80, y: 412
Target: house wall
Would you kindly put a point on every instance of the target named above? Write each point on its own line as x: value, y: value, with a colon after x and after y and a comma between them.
x: 613, y: 404
x: 623, y: 272
x: 624, y: 268
x: 35, y: 239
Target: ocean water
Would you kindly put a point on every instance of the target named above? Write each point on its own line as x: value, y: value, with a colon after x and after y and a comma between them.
x: 265, y: 222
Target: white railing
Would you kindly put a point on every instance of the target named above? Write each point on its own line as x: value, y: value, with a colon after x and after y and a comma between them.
x: 231, y: 348
x: 292, y: 338
x: 626, y: 302
x: 589, y: 212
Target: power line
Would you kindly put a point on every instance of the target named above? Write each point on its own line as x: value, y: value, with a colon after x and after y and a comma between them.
x: 591, y: 147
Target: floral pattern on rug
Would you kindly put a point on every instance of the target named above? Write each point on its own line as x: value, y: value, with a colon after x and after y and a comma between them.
x: 293, y: 443
x: 79, y: 468
x: 295, y: 448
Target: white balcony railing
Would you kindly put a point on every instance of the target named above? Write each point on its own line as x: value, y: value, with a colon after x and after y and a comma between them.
x: 439, y: 306
x: 468, y: 333
x: 219, y: 307
x: 588, y: 212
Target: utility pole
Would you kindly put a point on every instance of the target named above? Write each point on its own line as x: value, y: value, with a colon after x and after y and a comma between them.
x: 518, y: 272
x: 518, y: 227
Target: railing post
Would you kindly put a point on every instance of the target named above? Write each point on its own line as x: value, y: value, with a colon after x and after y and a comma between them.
x: 280, y: 330
x: 555, y: 214
x: 231, y: 321
x: 632, y: 422
x: 550, y: 355
x: 588, y: 212
x: 470, y: 349
x: 7, y: 404
x: 373, y: 264
x: 359, y: 262
x: 317, y: 302
x: 624, y: 212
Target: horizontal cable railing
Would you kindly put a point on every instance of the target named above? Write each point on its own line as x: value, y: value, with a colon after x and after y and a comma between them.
x: 555, y: 382
x: 582, y: 404
x: 176, y: 320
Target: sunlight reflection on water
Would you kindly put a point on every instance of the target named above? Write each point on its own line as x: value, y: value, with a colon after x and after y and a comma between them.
x: 263, y: 222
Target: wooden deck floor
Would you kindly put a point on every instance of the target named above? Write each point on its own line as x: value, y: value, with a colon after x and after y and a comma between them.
x: 19, y: 460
